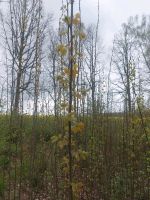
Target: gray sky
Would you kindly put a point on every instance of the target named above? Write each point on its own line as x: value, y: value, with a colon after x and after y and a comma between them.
x: 112, y: 13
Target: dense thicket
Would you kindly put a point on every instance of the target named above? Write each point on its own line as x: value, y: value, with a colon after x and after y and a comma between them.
x: 73, y: 126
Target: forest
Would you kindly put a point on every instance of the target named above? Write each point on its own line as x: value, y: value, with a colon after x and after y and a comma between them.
x: 74, y: 119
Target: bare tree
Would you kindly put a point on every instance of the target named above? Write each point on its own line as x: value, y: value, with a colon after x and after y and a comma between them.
x: 124, y: 60
x: 20, y: 35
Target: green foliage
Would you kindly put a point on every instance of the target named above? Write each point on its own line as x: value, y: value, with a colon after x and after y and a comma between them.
x: 108, y: 155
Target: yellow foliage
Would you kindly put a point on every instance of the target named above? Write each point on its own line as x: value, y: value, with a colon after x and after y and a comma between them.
x: 75, y: 66
x: 66, y: 71
x: 55, y: 138
x: 76, y: 156
x: 83, y: 154
x: 78, y: 95
x: 65, y: 160
x: 76, y: 20
x: 62, y: 143
x: 81, y: 125
x: 62, y: 50
x: 64, y: 83
x: 77, y: 15
x: 75, y: 70
x: 67, y: 20
x: 78, y: 128
x: 80, y: 155
x: 65, y: 164
x: 136, y: 120
x: 82, y: 36
x: 66, y: 170
x: 62, y: 33
x: 77, y: 188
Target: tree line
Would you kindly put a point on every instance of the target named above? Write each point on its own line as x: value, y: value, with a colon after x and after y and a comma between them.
x: 73, y: 126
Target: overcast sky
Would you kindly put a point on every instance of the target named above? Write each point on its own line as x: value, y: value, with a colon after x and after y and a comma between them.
x: 112, y: 13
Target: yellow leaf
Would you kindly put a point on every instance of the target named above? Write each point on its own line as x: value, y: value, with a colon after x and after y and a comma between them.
x: 78, y: 95
x: 66, y: 71
x: 77, y: 15
x: 75, y: 70
x: 67, y: 20
x: 83, y: 154
x: 78, y: 128
x: 76, y: 156
x: 65, y: 170
x: 62, y: 143
x: 55, y: 138
x: 65, y: 160
x: 82, y: 36
x: 77, y: 188
x: 81, y: 125
x: 62, y: 50
x: 76, y: 20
